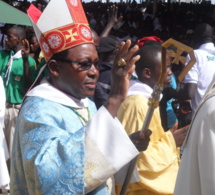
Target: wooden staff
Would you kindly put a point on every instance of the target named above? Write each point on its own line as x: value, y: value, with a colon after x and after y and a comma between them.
x: 153, y: 101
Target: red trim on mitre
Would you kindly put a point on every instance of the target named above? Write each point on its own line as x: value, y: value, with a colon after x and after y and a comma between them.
x: 77, y: 12
x: 47, y: 52
x: 34, y: 13
x: 65, y: 37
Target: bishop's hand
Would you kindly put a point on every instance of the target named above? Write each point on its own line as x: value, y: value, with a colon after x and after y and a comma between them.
x: 122, y: 69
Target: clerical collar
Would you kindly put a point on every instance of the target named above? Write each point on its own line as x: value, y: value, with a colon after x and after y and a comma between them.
x: 47, y: 91
x: 139, y: 88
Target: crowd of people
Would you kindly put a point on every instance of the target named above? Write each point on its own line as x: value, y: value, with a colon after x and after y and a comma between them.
x: 74, y: 96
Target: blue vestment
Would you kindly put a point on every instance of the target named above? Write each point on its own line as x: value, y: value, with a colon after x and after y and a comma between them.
x: 48, y: 152
x: 58, y: 150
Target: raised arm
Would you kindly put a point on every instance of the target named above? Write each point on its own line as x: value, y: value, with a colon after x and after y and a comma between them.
x: 112, y: 20
x: 121, y: 76
x: 25, y: 54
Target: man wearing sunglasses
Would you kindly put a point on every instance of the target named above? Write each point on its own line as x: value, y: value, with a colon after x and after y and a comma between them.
x: 62, y: 144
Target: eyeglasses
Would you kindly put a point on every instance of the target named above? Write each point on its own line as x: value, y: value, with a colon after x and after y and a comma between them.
x: 84, y: 65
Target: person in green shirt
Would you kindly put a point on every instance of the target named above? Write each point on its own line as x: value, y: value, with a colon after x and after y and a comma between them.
x: 16, y: 68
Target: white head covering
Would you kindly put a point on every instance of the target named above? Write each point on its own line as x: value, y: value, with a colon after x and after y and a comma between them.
x: 62, y: 25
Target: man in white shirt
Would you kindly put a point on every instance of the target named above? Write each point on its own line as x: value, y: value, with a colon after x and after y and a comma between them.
x: 202, y: 73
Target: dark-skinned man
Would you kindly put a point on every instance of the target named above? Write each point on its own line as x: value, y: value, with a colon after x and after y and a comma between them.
x: 62, y: 145
x: 158, y: 165
x: 15, y: 67
x: 107, y: 50
x: 197, y: 80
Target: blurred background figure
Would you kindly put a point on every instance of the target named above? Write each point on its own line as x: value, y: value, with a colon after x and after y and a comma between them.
x: 16, y: 67
x: 35, y: 51
x: 107, y: 50
x: 2, y: 36
x: 199, y: 77
x: 4, y: 154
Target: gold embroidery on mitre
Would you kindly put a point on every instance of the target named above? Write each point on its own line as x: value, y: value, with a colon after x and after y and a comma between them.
x: 65, y: 37
x: 71, y: 35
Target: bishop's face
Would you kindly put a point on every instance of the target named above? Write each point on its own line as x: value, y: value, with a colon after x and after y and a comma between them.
x: 77, y: 74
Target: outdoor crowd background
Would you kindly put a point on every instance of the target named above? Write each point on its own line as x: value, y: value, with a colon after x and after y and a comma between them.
x: 137, y: 20
x: 175, y: 20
